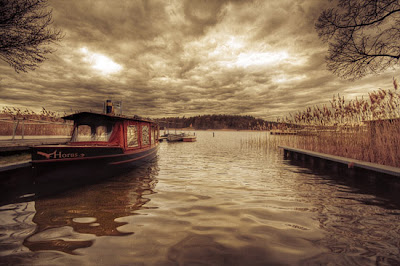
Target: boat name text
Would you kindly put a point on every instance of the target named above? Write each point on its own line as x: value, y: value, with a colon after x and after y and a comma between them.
x: 60, y: 155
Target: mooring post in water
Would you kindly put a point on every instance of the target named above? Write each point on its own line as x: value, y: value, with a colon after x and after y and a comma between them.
x: 351, y: 172
x: 335, y: 167
x: 285, y: 154
x: 321, y: 163
x: 311, y: 160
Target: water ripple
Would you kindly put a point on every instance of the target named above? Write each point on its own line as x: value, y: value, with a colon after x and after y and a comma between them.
x: 212, y: 202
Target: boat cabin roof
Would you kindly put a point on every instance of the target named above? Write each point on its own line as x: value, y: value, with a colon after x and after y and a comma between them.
x: 89, y: 116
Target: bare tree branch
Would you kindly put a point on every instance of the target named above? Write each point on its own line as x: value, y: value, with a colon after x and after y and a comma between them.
x: 25, y: 33
x: 363, y: 36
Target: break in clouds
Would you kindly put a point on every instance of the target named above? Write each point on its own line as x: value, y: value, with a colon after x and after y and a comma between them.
x: 175, y: 58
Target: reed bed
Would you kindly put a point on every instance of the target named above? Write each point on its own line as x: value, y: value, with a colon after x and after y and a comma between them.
x: 26, y: 122
x: 256, y: 142
x: 366, y: 129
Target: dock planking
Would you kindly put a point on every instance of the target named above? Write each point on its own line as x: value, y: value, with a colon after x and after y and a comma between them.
x: 350, y: 163
x: 20, y: 145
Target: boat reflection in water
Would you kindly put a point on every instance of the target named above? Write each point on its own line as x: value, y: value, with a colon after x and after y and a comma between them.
x: 73, y: 219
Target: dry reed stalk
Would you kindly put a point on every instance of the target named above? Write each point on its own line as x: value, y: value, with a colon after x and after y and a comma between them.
x: 43, y: 123
x: 363, y: 129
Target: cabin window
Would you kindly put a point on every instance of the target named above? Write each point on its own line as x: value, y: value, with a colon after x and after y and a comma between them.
x: 82, y: 133
x: 145, y: 135
x: 101, y: 134
x: 132, y: 136
x: 85, y: 133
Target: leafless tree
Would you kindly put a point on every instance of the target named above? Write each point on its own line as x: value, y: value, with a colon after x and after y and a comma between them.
x: 363, y: 36
x: 25, y: 33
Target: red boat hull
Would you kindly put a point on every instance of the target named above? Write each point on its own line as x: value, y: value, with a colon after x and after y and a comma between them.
x: 103, y: 162
x: 189, y: 139
x: 101, y: 145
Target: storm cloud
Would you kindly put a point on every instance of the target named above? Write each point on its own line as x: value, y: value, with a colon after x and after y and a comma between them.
x: 176, y: 58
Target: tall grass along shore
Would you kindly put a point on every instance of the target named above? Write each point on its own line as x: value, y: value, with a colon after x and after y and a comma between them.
x: 14, y: 121
x: 365, y: 129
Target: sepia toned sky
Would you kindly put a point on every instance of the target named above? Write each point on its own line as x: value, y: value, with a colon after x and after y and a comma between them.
x: 193, y: 57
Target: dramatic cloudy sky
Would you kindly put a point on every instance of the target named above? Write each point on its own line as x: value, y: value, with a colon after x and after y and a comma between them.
x: 176, y: 57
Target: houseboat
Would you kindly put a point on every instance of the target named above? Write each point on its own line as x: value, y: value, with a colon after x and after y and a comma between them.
x: 101, y: 144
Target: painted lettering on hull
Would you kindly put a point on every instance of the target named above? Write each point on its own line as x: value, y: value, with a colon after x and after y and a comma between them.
x: 60, y: 155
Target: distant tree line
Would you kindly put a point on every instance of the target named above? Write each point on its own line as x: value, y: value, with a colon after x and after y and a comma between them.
x: 235, y: 122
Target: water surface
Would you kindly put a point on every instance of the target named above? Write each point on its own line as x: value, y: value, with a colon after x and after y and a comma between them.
x: 219, y: 201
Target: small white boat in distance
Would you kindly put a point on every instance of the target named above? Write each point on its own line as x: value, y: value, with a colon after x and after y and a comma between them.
x: 189, y: 138
x: 181, y: 137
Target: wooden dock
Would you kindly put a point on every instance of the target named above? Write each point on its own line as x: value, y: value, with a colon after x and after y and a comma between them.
x: 19, y: 145
x: 347, y: 162
x: 283, y: 132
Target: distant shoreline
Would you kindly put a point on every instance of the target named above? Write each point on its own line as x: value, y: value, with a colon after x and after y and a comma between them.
x: 171, y: 130
x: 223, y: 129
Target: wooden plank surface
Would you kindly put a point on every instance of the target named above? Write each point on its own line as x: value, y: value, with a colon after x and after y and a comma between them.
x: 390, y: 170
x: 7, y: 145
